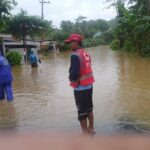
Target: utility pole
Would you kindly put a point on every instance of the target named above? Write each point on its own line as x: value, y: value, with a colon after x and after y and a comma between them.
x: 42, y: 7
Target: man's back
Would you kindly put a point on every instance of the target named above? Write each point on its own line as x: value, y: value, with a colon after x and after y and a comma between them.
x: 33, y: 58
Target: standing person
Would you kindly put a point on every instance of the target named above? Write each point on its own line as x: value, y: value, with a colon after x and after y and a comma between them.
x: 25, y: 55
x: 5, y: 79
x: 81, y: 79
x: 33, y: 59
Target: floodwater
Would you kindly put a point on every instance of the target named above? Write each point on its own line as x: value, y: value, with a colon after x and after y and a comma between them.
x: 44, y: 100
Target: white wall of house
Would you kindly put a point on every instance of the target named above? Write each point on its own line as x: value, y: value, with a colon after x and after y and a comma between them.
x: 2, y: 36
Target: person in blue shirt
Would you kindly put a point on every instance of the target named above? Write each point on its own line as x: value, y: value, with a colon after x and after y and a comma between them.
x: 33, y: 59
x: 5, y: 80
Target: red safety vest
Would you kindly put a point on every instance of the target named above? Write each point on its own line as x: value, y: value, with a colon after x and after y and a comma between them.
x: 86, y: 73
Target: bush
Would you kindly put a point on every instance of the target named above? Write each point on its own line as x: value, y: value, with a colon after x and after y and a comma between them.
x: 115, y: 45
x: 145, y: 51
x: 101, y: 41
x: 64, y: 47
x: 107, y: 37
x: 14, y: 58
x: 128, y: 46
x: 94, y: 42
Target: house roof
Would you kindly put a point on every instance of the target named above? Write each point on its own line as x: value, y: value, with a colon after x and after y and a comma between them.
x: 29, y: 44
x: 21, y: 46
x: 5, y: 35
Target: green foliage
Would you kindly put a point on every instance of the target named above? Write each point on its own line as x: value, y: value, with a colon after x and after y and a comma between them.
x: 14, y: 58
x: 133, y: 25
x: 108, y: 36
x: 115, y: 45
x: 89, y: 29
x: 67, y: 26
x: 129, y: 46
x: 102, y: 25
x: 93, y: 42
x: 145, y: 51
x: 60, y: 35
x: 22, y: 24
x: 112, y: 24
x: 64, y: 47
x: 5, y: 7
x: 81, y: 26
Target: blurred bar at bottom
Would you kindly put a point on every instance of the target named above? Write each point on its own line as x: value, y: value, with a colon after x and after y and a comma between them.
x: 48, y: 141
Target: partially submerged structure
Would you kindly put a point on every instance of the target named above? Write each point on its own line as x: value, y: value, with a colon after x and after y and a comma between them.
x: 2, y: 42
x: 9, y: 43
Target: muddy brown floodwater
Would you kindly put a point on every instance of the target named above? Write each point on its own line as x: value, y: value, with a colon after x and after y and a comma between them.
x: 44, y: 100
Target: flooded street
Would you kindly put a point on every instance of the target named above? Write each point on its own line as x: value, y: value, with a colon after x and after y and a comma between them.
x: 44, y: 100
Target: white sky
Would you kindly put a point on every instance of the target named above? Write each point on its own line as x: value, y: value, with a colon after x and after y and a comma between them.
x: 59, y: 10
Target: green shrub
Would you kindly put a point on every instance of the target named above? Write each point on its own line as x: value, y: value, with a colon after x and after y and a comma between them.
x: 101, y: 42
x: 115, y: 45
x: 108, y: 36
x: 129, y: 46
x: 145, y: 51
x: 87, y: 42
x: 14, y: 58
x: 93, y: 42
x: 64, y: 47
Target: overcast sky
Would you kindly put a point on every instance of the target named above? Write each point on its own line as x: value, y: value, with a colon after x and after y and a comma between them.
x: 59, y: 10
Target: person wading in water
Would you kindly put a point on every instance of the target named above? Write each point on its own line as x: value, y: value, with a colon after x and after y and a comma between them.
x: 5, y: 80
x: 33, y: 60
x: 81, y: 79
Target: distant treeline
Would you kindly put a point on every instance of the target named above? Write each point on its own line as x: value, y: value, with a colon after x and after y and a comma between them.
x: 129, y: 31
x: 95, y: 32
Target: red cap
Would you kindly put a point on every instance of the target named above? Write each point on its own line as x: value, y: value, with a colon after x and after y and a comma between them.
x: 74, y: 37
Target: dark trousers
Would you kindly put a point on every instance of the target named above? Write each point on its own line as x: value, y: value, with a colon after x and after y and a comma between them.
x: 84, y: 103
x: 34, y: 65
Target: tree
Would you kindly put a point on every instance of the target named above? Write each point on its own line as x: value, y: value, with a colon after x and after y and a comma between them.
x: 133, y: 24
x: 67, y: 26
x: 5, y: 7
x: 81, y: 19
x: 60, y: 35
x: 141, y: 9
x: 80, y: 25
x: 86, y: 28
x: 22, y: 24
x: 102, y: 25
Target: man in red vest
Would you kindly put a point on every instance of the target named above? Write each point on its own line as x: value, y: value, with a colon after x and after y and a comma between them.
x: 81, y: 79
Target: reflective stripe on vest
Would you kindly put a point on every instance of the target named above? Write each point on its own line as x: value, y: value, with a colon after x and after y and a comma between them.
x: 85, y: 69
x: 84, y: 77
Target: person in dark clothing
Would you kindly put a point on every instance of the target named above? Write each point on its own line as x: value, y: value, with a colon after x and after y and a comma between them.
x: 74, y: 68
x: 81, y: 78
x: 5, y: 80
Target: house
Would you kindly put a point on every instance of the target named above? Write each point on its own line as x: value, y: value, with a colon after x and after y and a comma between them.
x: 49, y: 45
x: 2, y: 43
x: 9, y: 43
